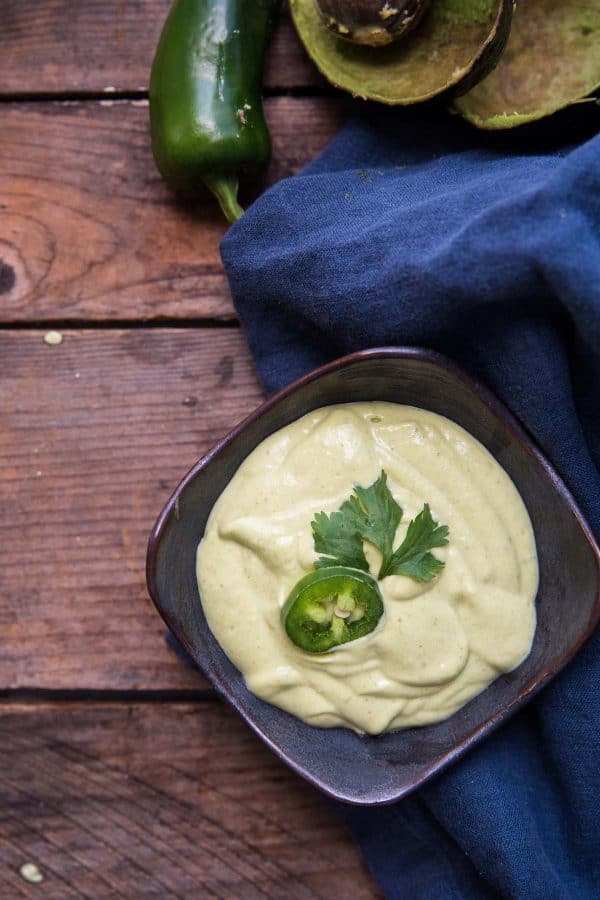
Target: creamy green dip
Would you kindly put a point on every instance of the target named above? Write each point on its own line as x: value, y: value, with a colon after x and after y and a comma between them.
x: 438, y: 644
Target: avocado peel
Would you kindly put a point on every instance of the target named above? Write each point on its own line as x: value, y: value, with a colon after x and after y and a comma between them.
x: 457, y: 41
x: 551, y: 61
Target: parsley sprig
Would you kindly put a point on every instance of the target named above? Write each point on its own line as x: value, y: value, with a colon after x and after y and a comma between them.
x: 371, y: 514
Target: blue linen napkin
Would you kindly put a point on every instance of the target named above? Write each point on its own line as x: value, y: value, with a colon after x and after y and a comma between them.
x: 413, y: 228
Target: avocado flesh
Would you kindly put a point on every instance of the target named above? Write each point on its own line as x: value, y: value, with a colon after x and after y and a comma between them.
x: 456, y: 40
x: 552, y: 60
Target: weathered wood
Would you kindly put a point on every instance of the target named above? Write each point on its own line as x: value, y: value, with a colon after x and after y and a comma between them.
x: 95, y: 435
x: 148, y: 799
x: 89, y: 230
x: 107, y: 45
x: 165, y: 801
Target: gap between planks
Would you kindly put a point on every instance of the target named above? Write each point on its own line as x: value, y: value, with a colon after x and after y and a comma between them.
x: 32, y: 698
x: 141, y: 96
x: 120, y: 325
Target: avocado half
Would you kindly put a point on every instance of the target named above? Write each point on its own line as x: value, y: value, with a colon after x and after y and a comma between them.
x: 552, y: 59
x: 458, y: 42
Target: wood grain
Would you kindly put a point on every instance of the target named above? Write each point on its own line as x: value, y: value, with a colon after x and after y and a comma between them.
x: 95, y: 434
x: 68, y: 46
x: 165, y: 801
x: 130, y: 799
x: 89, y: 231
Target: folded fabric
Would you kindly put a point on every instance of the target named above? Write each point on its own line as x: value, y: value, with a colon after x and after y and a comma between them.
x: 412, y: 228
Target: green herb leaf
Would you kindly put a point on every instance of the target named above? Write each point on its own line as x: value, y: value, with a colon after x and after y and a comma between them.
x: 337, y: 536
x: 377, y: 515
x: 371, y: 514
x: 412, y: 557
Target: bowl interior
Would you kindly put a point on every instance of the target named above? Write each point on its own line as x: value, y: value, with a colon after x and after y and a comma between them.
x: 367, y: 770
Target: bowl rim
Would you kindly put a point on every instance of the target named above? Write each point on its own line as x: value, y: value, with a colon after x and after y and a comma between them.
x: 519, y: 433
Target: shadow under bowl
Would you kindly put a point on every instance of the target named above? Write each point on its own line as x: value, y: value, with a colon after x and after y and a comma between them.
x: 367, y: 770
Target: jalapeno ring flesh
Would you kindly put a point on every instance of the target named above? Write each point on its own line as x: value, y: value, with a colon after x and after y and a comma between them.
x: 330, y: 607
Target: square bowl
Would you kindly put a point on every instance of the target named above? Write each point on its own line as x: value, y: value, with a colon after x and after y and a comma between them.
x: 358, y: 769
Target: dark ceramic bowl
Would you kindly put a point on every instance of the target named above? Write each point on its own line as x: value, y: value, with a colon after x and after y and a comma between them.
x: 377, y: 770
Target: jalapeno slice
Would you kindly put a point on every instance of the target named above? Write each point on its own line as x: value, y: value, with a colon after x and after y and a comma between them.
x: 330, y: 607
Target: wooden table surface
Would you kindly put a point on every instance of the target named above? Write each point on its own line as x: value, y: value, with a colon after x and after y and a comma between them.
x: 122, y: 774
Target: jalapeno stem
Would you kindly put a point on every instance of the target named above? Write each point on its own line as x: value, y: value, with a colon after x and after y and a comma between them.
x: 225, y: 189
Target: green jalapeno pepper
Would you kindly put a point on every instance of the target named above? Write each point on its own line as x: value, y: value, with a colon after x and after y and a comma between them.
x: 330, y: 607
x: 206, y: 115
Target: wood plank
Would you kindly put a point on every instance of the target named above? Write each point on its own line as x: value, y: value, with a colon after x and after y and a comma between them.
x: 95, y: 434
x: 90, y: 231
x: 107, y: 45
x: 165, y: 801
